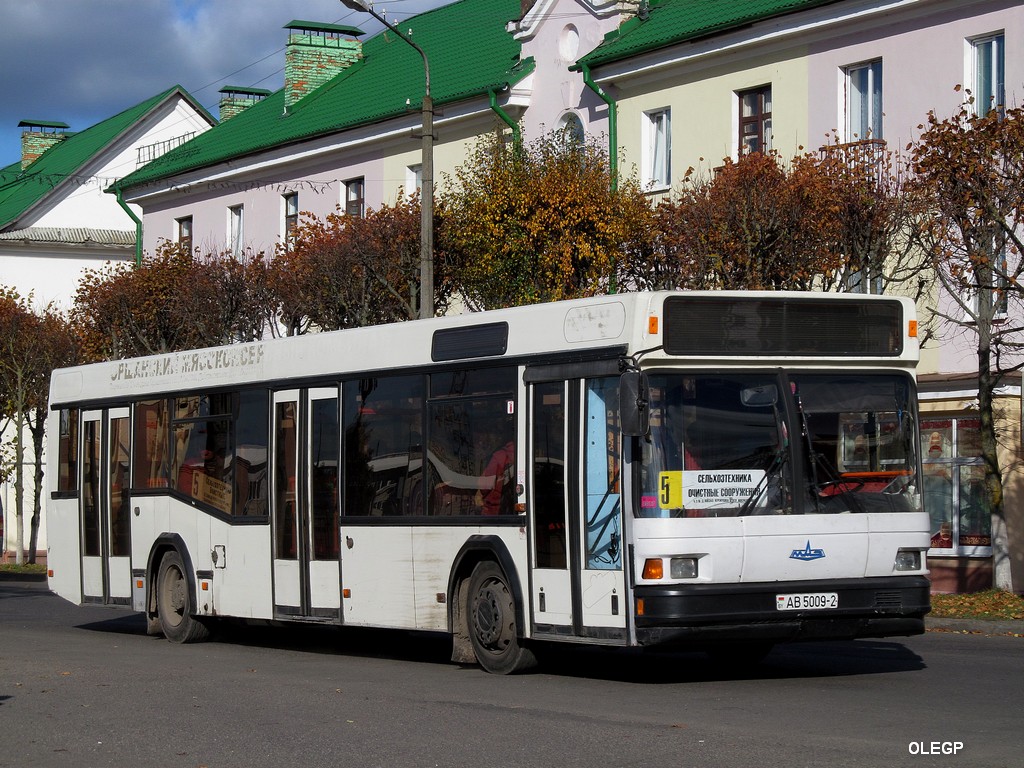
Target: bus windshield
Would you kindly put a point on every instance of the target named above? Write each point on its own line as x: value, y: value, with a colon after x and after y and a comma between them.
x: 728, y: 445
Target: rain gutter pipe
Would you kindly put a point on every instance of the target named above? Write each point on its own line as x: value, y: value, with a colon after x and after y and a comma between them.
x: 517, y: 132
x: 613, y: 125
x: 138, y: 227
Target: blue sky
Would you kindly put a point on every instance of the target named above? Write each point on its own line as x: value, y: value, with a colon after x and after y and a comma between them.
x: 82, y: 61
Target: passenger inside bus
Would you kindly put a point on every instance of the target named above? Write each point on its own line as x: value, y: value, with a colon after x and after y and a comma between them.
x: 497, y: 483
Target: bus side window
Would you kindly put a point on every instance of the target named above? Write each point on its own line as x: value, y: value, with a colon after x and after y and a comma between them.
x: 67, y: 478
x: 383, y: 446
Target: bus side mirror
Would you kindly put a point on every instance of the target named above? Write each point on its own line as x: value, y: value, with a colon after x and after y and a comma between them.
x: 765, y: 396
x: 634, y: 404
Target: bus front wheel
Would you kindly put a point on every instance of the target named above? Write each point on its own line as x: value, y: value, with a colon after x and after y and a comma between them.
x: 491, y: 614
x: 174, y: 603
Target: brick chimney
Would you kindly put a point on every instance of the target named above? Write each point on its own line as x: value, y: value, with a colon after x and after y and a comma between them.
x: 39, y: 136
x: 235, y: 99
x: 315, y: 54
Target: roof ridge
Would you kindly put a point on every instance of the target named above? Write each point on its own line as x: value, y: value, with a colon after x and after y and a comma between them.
x: 59, y: 163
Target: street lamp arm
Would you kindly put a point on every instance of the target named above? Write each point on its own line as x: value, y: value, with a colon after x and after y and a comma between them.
x: 426, y: 309
x: 362, y: 5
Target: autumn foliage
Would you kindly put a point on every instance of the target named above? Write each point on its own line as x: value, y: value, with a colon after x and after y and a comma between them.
x: 174, y: 300
x: 348, y: 271
x: 820, y: 221
x: 535, y: 223
x: 32, y: 344
x: 969, y: 179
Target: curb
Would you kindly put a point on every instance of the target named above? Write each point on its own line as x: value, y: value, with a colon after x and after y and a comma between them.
x: 975, y: 626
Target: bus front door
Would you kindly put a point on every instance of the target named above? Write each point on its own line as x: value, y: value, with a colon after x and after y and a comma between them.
x: 105, y: 507
x: 307, y: 582
x: 578, y: 582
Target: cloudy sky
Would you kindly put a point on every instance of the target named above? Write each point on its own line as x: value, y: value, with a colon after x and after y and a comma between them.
x: 82, y: 61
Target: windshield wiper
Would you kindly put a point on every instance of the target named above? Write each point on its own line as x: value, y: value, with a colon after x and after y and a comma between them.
x: 774, y: 469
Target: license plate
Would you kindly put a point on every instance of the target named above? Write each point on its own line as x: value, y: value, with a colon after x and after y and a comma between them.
x: 807, y: 601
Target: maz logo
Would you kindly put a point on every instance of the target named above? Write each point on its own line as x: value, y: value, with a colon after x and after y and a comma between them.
x: 807, y: 553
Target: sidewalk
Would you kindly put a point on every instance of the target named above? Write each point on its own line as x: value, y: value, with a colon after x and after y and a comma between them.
x: 974, y: 626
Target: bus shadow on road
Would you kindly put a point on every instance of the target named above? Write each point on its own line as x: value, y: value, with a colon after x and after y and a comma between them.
x: 790, y: 661
x: 787, y: 661
x: 126, y: 624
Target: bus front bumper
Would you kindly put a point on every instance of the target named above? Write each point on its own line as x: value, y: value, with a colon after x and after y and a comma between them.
x: 699, y: 614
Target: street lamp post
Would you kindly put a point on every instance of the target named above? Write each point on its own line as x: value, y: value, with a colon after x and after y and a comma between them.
x: 426, y: 169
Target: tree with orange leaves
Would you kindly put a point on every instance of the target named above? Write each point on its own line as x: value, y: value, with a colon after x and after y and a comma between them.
x: 32, y: 345
x: 969, y: 179
x: 835, y: 220
x: 542, y: 222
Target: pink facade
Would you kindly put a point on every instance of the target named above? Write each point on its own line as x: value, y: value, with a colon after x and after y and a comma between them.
x: 925, y: 51
x: 553, y: 33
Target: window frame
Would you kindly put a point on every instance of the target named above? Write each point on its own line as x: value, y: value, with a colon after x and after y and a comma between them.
x: 864, y: 123
x: 236, y: 229
x: 761, y: 119
x: 995, y: 68
x: 184, y: 230
x: 954, y: 463
x: 290, y: 218
x: 571, y: 124
x: 355, y: 197
x: 413, y: 179
x: 657, y: 148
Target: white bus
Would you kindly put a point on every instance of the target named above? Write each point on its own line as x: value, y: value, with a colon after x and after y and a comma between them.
x: 723, y: 471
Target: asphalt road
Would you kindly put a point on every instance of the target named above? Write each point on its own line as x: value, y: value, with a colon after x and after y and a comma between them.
x: 85, y: 686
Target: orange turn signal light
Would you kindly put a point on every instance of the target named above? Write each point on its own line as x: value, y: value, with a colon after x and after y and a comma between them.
x: 654, y: 568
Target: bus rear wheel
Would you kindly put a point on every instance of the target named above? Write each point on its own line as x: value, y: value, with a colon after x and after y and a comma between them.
x: 174, y: 603
x: 491, y: 615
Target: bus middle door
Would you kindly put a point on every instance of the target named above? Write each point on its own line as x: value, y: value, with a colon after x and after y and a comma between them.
x: 307, y: 583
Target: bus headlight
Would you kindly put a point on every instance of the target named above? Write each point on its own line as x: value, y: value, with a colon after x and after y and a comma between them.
x: 683, y: 568
x: 678, y: 568
x: 908, y: 560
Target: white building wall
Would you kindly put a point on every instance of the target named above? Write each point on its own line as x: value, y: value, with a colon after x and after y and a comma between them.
x: 51, y: 273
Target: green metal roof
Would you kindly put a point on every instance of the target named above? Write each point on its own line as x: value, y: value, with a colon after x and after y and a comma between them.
x: 21, y: 189
x: 669, y: 22
x: 469, y: 53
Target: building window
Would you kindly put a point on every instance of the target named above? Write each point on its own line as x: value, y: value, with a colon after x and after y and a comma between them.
x: 291, y: 218
x: 989, y: 78
x: 658, y: 148
x: 999, y: 295
x: 355, y: 198
x: 183, y: 233
x: 954, y: 490
x: 414, y: 179
x: 235, y: 229
x: 866, y: 280
x: 755, y: 120
x: 572, y: 128
x: 864, y: 101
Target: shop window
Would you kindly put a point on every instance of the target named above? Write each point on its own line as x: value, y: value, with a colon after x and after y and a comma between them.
x: 954, y: 490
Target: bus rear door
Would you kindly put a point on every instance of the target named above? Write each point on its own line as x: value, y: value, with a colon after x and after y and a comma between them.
x: 105, y: 507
